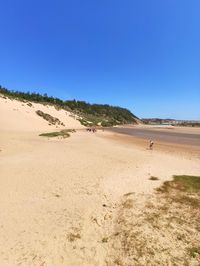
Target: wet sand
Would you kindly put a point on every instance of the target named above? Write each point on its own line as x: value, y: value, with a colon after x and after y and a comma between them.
x: 161, y: 135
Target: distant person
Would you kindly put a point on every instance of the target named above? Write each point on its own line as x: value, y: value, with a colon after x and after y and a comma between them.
x: 151, y: 145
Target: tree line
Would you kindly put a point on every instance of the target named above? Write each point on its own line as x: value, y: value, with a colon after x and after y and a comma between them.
x: 112, y: 114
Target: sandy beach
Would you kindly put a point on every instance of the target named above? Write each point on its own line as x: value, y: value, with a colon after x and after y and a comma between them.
x: 73, y: 201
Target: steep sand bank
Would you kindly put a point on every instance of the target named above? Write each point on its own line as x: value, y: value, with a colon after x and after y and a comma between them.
x: 21, y: 116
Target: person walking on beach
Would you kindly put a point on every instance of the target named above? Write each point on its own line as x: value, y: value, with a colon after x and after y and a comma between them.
x: 151, y: 144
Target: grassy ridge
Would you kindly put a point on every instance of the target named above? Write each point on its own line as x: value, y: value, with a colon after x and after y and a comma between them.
x: 90, y: 114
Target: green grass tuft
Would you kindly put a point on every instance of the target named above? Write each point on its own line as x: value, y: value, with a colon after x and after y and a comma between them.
x: 194, y: 251
x: 62, y: 133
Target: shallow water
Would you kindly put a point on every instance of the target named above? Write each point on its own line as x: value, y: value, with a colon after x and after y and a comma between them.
x: 158, y: 135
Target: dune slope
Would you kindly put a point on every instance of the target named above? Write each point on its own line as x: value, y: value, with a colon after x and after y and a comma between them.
x: 21, y: 116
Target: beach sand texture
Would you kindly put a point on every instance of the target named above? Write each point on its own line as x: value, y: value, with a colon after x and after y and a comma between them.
x: 61, y: 200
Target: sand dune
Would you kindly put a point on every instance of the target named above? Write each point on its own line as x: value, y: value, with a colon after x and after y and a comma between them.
x: 62, y: 200
x: 21, y: 116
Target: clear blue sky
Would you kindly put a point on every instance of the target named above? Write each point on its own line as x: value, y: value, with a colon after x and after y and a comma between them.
x: 139, y: 54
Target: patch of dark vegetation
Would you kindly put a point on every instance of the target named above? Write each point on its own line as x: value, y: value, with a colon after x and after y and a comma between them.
x: 73, y: 237
x: 52, y: 120
x: 91, y: 114
x: 183, y: 183
x: 194, y: 251
x: 183, y: 189
x: 63, y: 133
x: 55, y: 134
x: 105, y: 240
x: 74, y: 234
x: 159, y: 229
x: 153, y: 178
x: 2, y: 96
x: 128, y: 194
x: 29, y: 104
x: 189, y: 200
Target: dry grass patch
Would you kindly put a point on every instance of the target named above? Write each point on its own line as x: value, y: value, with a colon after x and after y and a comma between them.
x: 73, y: 237
x: 128, y: 204
x: 74, y: 234
x: 184, y: 190
x: 159, y: 229
x: 183, y: 183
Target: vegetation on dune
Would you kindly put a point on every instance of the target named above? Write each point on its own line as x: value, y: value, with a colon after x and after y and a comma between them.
x: 62, y: 133
x: 52, y: 120
x: 89, y: 114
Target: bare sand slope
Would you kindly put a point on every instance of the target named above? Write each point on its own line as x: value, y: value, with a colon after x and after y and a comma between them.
x: 59, y: 198
x: 21, y: 116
